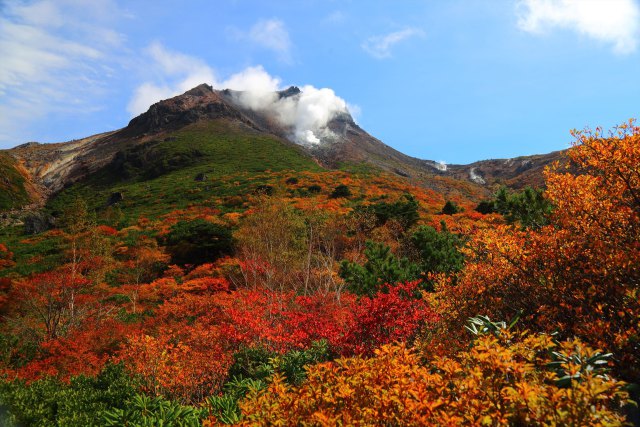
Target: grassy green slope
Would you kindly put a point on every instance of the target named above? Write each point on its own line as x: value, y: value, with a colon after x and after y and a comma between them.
x: 13, y: 193
x: 159, y: 176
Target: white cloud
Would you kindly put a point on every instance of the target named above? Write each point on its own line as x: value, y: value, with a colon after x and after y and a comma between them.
x: 172, y: 73
x: 612, y: 21
x: 43, y: 70
x: 178, y: 73
x: 335, y: 17
x: 257, y: 85
x: 252, y: 79
x: 380, y: 46
x: 271, y: 34
x: 355, y: 110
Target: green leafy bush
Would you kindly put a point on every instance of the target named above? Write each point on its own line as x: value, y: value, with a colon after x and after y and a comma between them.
x: 381, y: 267
x: 197, y: 242
x: 340, y: 191
x: 405, y: 211
x: 258, y: 363
x: 252, y: 362
x: 486, y: 207
x: 450, y: 208
x: 49, y: 402
x: 529, y: 207
x: 314, y: 189
x: 292, y: 364
x: 438, y: 252
x: 144, y: 411
x: 251, y: 371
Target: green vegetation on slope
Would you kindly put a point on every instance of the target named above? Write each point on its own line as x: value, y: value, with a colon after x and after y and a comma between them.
x: 159, y: 176
x: 12, y: 184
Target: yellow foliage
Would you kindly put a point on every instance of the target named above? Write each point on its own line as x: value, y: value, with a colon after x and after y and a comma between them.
x: 578, y: 275
x: 500, y: 381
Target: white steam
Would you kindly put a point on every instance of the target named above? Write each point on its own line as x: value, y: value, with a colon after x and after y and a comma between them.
x: 308, y: 136
x: 306, y: 114
x: 475, y: 177
x: 309, y: 113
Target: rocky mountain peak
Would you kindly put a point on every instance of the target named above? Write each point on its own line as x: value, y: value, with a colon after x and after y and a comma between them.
x: 200, y: 103
x: 290, y: 91
x: 200, y: 90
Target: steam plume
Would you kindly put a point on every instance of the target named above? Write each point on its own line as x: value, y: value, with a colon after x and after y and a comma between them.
x: 306, y: 114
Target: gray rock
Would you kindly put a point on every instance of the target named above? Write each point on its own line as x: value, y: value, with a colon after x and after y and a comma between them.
x: 37, y: 222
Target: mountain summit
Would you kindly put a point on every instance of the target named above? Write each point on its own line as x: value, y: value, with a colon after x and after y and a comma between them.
x: 333, y: 139
x: 314, y: 122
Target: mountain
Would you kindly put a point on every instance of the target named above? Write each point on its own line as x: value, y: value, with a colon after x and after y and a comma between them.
x: 516, y: 173
x: 203, y: 126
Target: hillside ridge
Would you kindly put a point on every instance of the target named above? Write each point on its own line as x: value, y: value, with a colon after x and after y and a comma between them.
x: 52, y: 167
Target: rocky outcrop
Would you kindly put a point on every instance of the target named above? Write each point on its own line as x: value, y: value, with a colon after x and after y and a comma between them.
x: 52, y: 166
x: 199, y: 103
x: 37, y: 222
x: 290, y: 91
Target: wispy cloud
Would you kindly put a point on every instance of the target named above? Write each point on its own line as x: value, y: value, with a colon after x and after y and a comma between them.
x: 380, y: 46
x: 44, y: 69
x: 270, y: 34
x: 612, y: 21
x: 335, y: 17
x: 169, y: 73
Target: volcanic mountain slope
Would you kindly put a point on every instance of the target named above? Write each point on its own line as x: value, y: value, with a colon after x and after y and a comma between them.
x: 341, y: 142
x: 158, y: 141
x: 515, y: 173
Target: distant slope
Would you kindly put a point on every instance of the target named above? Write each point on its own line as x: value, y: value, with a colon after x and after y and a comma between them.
x: 516, y: 173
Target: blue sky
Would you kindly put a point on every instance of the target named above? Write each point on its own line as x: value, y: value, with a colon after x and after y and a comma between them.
x: 447, y: 80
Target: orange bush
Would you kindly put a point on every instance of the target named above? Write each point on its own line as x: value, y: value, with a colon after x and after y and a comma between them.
x: 579, y: 275
x: 188, y: 366
x: 497, y: 382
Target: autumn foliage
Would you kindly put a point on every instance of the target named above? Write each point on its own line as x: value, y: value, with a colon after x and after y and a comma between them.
x: 500, y: 381
x: 308, y: 304
x: 578, y: 275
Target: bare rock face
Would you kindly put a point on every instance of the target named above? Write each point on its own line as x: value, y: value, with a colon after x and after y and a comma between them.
x: 52, y: 166
x: 37, y: 222
x: 289, y: 92
x: 199, y: 103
